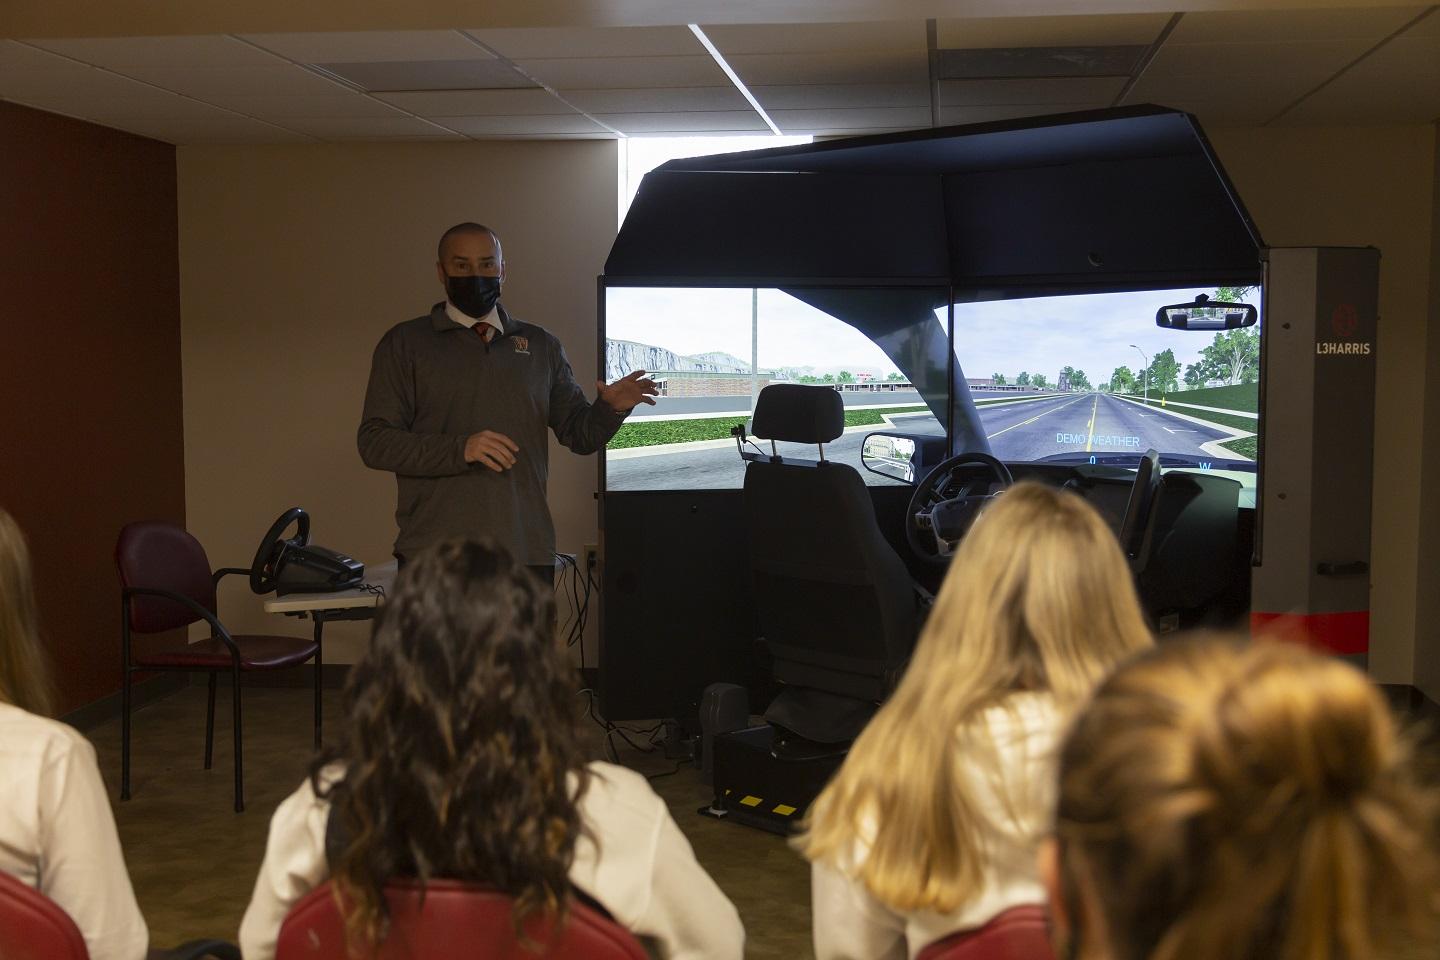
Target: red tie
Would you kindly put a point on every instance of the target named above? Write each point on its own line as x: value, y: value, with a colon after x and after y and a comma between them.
x: 487, y: 332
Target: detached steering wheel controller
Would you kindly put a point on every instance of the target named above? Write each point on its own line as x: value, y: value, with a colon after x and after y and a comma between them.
x: 947, y: 501
x: 272, y: 547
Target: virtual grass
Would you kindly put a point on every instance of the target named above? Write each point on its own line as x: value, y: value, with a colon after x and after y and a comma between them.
x: 651, y: 433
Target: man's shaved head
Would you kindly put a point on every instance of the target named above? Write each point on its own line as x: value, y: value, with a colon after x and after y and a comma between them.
x: 464, y: 229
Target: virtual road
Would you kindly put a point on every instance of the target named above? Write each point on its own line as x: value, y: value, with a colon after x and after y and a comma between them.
x: 1072, y: 425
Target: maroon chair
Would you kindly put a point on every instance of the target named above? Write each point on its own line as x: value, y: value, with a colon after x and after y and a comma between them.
x: 33, y: 927
x: 166, y: 584
x: 1020, y: 933
x: 450, y: 919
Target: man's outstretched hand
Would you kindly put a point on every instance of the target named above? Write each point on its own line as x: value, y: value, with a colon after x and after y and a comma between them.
x: 630, y: 390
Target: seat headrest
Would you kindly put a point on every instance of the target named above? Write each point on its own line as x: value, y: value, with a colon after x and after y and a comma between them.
x: 798, y: 413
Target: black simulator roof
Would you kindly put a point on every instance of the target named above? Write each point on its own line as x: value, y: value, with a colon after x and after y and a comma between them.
x: 1125, y: 198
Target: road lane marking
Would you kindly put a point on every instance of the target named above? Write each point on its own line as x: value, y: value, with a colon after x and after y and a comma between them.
x: 1090, y: 430
x: 1034, y: 418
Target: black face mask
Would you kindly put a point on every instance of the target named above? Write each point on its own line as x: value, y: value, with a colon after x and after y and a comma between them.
x: 475, y: 296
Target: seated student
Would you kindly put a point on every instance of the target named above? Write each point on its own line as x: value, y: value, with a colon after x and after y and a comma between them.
x: 463, y: 761
x: 932, y: 824
x: 57, y: 832
x: 1229, y: 802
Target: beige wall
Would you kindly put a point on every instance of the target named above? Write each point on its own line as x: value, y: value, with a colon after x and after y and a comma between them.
x: 1427, y: 613
x: 294, y: 261
x: 1367, y: 186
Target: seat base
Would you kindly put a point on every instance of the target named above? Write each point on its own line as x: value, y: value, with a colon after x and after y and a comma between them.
x: 756, y: 788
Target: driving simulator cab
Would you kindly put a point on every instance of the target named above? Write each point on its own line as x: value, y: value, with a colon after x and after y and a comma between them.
x: 893, y: 329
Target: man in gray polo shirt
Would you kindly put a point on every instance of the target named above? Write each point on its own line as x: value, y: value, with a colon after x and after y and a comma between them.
x: 458, y: 404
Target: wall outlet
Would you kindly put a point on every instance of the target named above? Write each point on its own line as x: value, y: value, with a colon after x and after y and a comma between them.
x: 591, y: 559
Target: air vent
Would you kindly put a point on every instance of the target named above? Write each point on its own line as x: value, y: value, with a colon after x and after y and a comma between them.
x: 1035, y: 62
x: 393, y: 77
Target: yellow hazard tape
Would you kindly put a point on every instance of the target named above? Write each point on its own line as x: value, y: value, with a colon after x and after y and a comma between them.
x: 784, y: 809
x: 751, y: 801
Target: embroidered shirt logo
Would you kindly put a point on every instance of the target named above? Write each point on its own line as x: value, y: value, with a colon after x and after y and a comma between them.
x: 522, y: 345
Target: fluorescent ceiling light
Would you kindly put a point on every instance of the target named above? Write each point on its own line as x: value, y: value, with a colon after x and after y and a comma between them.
x: 734, y: 78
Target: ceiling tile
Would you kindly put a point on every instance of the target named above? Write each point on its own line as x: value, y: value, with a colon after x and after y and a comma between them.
x: 862, y: 118
x: 468, y: 74
x: 359, y: 128
x: 115, y: 107
x: 589, y: 73
x: 1428, y: 27
x: 1366, y: 93
x: 1291, y: 26
x: 1224, y: 109
x: 277, y: 107
x: 722, y: 121
x: 67, y: 81
x: 1319, y: 59
x: 1080, y: 90
x: 15, y: 56
x: 117, y: 53
x: 279, y: 79
x: 987, y: 114
x: 227, y: 130
x: 476, y: 103
x: 658, y: 100
x: 806, y: 96
x: 842, y: 67
x: 603, y: 135
x: 554, y: 43
x: 837, y: 133
x: 1071, y: 31
x: 1271, y: 94
x: 370, y: 46
x: 524, y: 126
x: 902, y: 36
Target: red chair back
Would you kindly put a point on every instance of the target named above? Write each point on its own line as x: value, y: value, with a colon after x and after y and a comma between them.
x: 1020, y: 933
x: 453, y: 915
x: 33, y: 927
x: 162, y: 556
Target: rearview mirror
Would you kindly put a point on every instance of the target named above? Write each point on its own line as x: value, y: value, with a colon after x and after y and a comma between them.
x: 889, y: 456
x: 1205, y: 314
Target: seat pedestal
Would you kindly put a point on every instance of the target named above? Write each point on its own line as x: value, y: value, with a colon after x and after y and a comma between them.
x: 758, y: 789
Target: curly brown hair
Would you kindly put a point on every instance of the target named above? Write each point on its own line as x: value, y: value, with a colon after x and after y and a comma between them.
x: 461, y: 759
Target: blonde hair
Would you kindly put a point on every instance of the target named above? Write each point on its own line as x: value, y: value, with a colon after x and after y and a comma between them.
x: 24, y: 680
x: 1038, y: 598
x: 1225, y: 801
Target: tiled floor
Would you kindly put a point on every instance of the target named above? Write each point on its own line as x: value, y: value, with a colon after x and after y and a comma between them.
x: 193, y: 860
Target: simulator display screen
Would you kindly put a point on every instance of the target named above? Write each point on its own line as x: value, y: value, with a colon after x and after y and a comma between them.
x: 1074, y: 379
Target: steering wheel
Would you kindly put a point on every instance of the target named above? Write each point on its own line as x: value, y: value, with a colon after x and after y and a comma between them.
x: 946, y: 502
x: 262, y: 568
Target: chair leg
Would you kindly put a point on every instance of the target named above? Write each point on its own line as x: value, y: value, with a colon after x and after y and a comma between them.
x: 125, y: 736
x: 239, y: 769
x: 318, y: 663
x: 210, y: 722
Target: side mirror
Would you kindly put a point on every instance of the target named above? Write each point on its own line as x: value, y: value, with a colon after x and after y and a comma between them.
x: 1204, y: 314
x: 889, y: 456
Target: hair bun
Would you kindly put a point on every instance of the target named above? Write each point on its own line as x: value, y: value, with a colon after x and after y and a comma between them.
x: 1295, y: 727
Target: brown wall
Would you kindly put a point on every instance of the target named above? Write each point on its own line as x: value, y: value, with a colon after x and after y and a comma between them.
x: 90, y: 432
x: 295, y: 260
